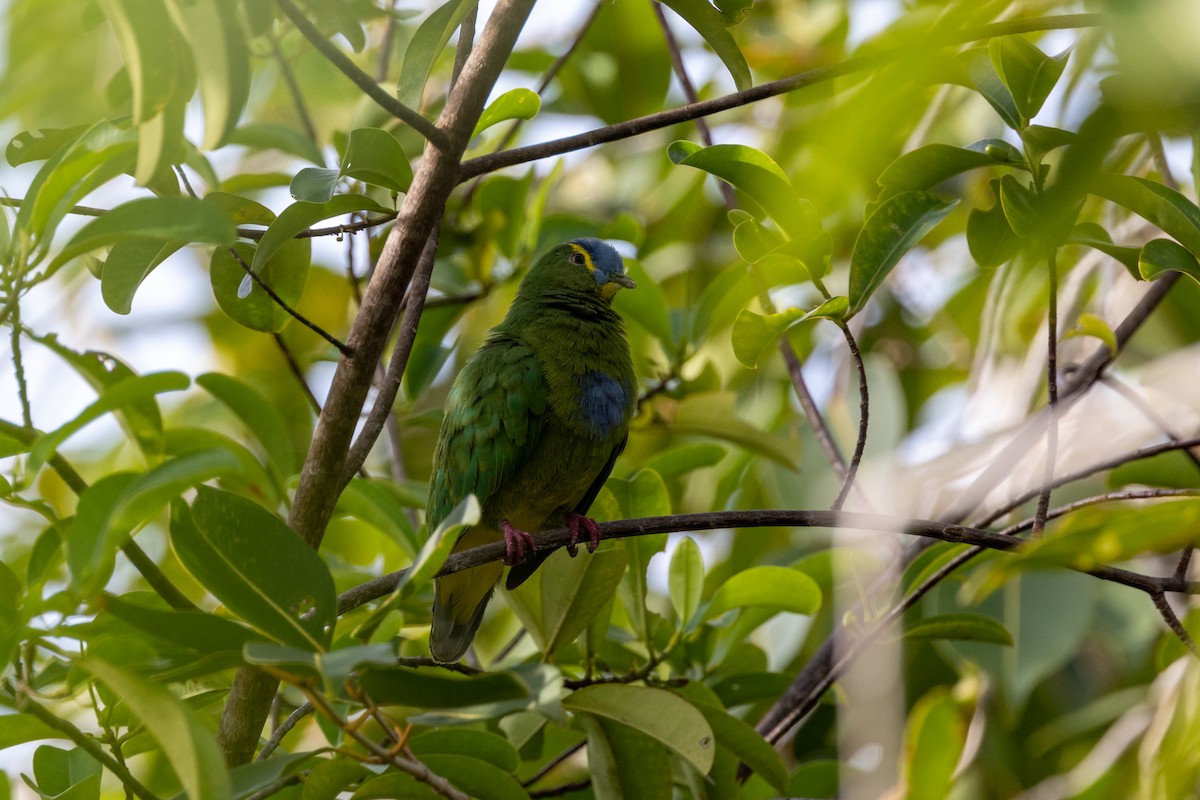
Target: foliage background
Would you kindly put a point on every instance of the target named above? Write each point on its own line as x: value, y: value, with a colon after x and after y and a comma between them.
x: 1014, y: 676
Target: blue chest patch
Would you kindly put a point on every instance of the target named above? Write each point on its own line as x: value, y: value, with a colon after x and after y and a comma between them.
x: 603, y: 402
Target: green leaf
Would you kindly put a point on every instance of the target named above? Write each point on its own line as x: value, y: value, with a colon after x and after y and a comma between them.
x: 647, y: 305
x: 376, y: 157
x: 386, y: 505
x: 124, y: 393
x: 626, y: 764
x: 438, y: 689
x: 222, y: 56
x: 659, y: 714
x: 140, y: 419
x: 482, y: 745
x: 714, y: 414
x: 247, y: 779
x: 1028, y: 73
x: 982, y: 75
x: 990, y: 238
x: 148, y: 493
x: 745, y: 743
x: 181, y: 737
x: 1092, y: 325
x: 1092, y: 235
x: 273, y: 136
x: 127, y: 265
x: 477, y: 778
x: 59, y: 771
x: 930, y: 165
x: 334, y: 667
x: 710, y: 24
x: 21, y: 728
x: 295, y: 219
x: 40, y: 144
x: 1163, y: 255
x: 1019, y: 206
x: 424, y: 48
x: 814, y: 779
x: 679, y: 460
x: 754, y: 241
x: 257, y: 566
x: 768, y: 587
x: 518, y: 103
x: 1166, y: 208
x: 200, y: 631
x: 894, y: 229
x: 257, y: 413
x: 574, y: 590
x: 735, y: 11
x: 314, y: 184
x: 936, y: 734
x: 964, y: 626
x: 182, y: 220
x: 149, y: 44
x: 754, y: 333
x: 242, y: 210
x: 330, y: 777
x: 286, y: 273
x: 759, y: 177
x: 686, y: 579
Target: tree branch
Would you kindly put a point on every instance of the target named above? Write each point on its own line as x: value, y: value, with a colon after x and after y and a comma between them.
x: 359, y: 78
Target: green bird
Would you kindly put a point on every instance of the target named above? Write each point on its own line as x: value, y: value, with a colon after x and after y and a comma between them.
x: 532, y: 427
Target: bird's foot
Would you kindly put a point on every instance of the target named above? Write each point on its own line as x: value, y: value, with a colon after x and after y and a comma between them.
x: 516, y: 543
x: 575, y: 521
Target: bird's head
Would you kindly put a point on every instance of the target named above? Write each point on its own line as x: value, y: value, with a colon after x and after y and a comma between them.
x: 587, y: 265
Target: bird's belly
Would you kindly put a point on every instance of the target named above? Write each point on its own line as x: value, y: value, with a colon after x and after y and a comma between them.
x: 553, y: 480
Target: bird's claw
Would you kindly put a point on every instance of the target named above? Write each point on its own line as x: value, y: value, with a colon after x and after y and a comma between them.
x: 575, y: 521
x: 516, y: 543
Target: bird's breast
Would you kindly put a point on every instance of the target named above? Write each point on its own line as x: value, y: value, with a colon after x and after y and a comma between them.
x: 604, y: 403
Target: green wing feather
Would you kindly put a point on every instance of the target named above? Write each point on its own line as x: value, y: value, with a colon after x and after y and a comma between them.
x: 494, y: 415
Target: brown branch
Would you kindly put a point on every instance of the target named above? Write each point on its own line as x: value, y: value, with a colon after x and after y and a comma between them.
x: 864, y: 406
x: 359, y: 78
x: 297, y: 372
x: 321, y: 479
x: 692, y: 111
x: 1172, y: 621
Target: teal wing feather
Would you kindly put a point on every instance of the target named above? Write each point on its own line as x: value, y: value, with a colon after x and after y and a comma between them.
x: 521, y: 572
x: 494, y: 416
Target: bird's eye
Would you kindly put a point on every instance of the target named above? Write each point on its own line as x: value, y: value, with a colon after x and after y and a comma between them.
x: 577, y: 258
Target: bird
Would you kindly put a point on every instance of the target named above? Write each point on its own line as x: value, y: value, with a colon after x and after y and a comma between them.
x: 533, y: 425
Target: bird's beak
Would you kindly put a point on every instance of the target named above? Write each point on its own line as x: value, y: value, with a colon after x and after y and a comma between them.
x: 622, y: 279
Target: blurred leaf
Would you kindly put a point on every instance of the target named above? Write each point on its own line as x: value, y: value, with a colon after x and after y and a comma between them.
x: 149, y: 44
x: 195, y: 630
x: 712, y: 414
x: 768, y: 587
x: 754, y: 333
x: 488, y: 747
x: 222, y: 56
x: 477, y: 778
x: 429, y: 689
x: 328, y: 778
x: 990, y: 238
x: 1173, y: 470
x: 121, y: 394
x: 814, y: 779
x: 1041, y: 139
x: 127, y: 265
x: 425, y: 47
x: 257, y: 566
x: 894, y: 229
x: 58, y: 771
x: 21, y: 728
x: 686, y: 579
x: 1092, y: 325
x: 517, y: 103
x: 647, y: 305
x: 1020, y: 208
x: 259, y: 415
x: 710, y: 24
x: 930, y: 165
x: 982, y: 76
x: 183, y: 220
x: 680, y: 459
x: 659, y: 714
x: 969, y: 627
x: 385, y: 505
x: 574, y: 590
x: 187, y: 745
x: 1092, y: 235
x: 1028, y: 73
x: 735, y: 11
x: 40, y: 144
x: 936, y: 736
x: 272, y: 136
x: 1162, y: 255
x: 1177, y: 216
x: 626, y: 764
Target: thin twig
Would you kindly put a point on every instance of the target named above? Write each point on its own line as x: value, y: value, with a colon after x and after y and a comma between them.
x: 1129, y: 394
x: 293, y: 87
x: 297, y: 371
x: 554, y: 762
x: 1172, y: 621
x: 362, y: 80
x: 293, y: 313
x: 284, y: 729
x: 385, y: 45
x: 1160, y: 160
x: 820, y: 427
x: 1039, y: 520
x: 864, y: 406
x: 276, y: 786
x: 566, y: 788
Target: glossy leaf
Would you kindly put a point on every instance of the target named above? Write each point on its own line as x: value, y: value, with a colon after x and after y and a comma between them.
x: 686, y: 579
x: 1162, y: 255
x: 71, y: 774
x: 767, y: 587
x: 161, y: 219
x: 314, y: 184
x: 181, y: 737
x: 1166, y: 208
x: 376, y: 157
x: 257, y: 566
x: 710, y: 24
x: 896, y: 227
x: 660, y: 715
x: 1094, y: 236
x: 286, y: 273
x: 517, y: 103
x: 1028, y: 73
x: 983, y: 77
x: 273, y: 136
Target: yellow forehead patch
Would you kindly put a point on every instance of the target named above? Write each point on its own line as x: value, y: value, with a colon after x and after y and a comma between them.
x: 587, y: 257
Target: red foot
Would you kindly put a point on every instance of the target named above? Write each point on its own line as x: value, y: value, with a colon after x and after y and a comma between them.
x: 516, y: 543
x: 575, y: 522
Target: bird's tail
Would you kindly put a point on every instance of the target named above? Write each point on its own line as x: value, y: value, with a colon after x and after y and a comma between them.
x: 459, y: 601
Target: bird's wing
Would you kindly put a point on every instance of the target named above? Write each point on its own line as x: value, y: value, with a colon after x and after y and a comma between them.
x: 521, y: 572
x: 493, y: 419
